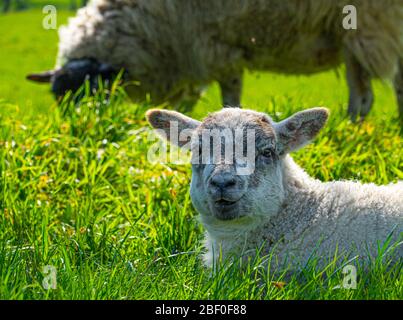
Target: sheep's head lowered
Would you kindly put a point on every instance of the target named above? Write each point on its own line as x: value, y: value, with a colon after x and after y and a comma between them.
x: 237, y: 158
x: 73, y: 75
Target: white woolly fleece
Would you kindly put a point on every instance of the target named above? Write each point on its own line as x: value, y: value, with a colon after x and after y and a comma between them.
x: 318, y: 217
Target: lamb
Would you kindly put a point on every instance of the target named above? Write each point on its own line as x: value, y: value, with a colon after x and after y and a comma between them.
x: 172, y: 49
x: 277, y: 207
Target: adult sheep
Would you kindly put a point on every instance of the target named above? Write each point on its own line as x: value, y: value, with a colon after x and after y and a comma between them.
x: 172, y: 49
x: 277, y: 207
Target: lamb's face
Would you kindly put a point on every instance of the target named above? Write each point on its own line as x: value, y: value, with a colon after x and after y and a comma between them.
x: 240, y: 174
x: 237, y: 159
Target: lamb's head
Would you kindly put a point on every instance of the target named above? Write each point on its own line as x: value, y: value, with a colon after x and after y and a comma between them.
x: 237, y: 159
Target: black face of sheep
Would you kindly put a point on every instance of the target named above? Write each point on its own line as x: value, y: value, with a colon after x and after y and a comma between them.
x: 74, y: 74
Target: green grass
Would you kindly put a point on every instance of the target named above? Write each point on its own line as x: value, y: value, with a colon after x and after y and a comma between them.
x: 25, y: 48
x: 78, y: 193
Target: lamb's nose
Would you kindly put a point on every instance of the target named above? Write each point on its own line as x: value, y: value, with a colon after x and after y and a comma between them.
x: 223, y: 182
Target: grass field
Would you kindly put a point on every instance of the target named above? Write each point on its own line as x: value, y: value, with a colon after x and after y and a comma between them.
x: 78, y: 193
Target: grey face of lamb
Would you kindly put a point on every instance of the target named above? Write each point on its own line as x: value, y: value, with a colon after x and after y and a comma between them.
x: 221, y: 189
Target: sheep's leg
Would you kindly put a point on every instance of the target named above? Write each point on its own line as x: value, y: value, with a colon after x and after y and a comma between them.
x: 189, y: 99
x: 231, y: 89
x: 359, y: 83
x: 399, y: 89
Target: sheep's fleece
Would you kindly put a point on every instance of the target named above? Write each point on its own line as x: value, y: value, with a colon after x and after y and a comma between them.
x: 316, y: 219
x: 175, y: 48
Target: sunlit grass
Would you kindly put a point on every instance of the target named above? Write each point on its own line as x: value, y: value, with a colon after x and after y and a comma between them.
x: 78, y: 193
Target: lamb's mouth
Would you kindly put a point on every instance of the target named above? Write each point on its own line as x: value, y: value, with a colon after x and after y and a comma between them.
x: 225, y: 203
x: 226, y: 209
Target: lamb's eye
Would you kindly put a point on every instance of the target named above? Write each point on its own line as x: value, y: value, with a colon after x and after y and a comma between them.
x: 266, y: 153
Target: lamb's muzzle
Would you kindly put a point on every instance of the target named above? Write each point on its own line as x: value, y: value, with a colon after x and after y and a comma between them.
x: 225, y: 190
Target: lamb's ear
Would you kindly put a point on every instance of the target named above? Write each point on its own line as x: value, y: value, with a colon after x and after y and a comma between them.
x: 174, y: 126
x: 297, y: 130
